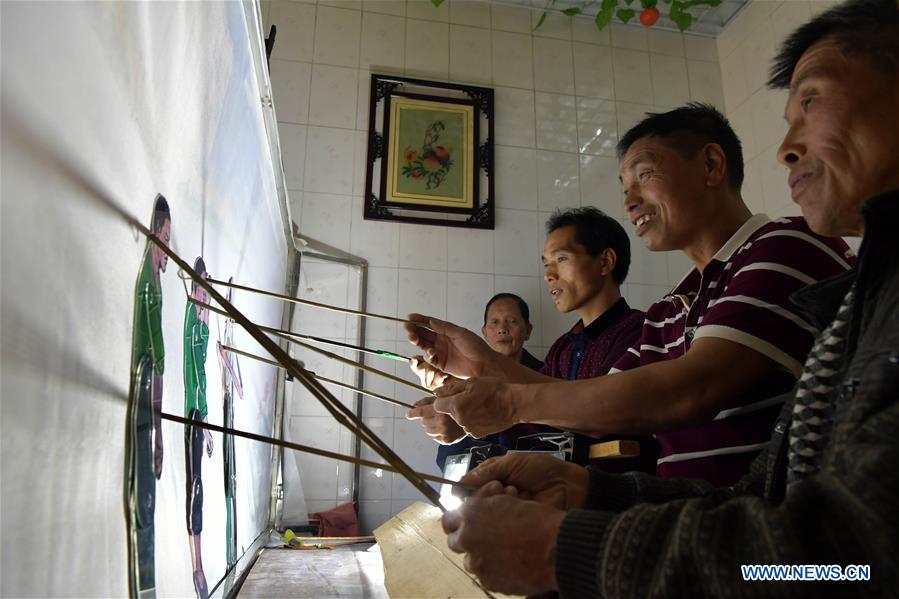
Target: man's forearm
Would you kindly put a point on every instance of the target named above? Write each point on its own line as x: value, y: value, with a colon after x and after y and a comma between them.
x: 696, y: 547
x: 654, y: 398
x: 618, y: 492
x: 583, y: 538
x: 508, y: 369
x: 651, y: 399
x: 612, y: 404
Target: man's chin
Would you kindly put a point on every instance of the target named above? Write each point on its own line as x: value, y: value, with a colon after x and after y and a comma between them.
x: 655, y: 242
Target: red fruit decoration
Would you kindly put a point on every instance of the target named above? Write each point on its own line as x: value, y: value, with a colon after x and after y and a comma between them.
x: 441, y: 154
x: 649, y: 16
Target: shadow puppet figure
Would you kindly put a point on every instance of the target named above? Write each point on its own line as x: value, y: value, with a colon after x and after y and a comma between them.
x: 196, y: 338
x: 143, y: 456
x: 231, y: 383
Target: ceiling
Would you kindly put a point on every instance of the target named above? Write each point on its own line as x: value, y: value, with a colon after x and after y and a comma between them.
x: 707, y: 21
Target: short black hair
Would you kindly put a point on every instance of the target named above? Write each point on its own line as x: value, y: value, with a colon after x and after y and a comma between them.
x: 869, y: 27
x: 161, y: 214
x: 596, y: 231
x: 522, y: 305
x: 688, y: 129
x: 200, y: 269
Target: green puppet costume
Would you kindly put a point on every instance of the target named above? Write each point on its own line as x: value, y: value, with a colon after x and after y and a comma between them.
x: 144, y: 408
x: 148, y: 318
x: 196, y: 337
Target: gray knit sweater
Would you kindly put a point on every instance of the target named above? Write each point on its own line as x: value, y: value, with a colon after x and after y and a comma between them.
x: 642, y: 536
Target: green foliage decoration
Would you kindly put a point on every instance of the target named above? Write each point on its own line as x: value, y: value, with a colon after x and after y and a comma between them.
x: 678, y: 10
x: 626, y: 14
x: 604, y: 16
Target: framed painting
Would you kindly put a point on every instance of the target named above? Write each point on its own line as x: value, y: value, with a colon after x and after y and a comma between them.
x: 430, y: 153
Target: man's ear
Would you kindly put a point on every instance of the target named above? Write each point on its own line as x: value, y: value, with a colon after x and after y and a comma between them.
x: 484, y: 330
x: 608, y: 259
x: 527, y: 334
x: 715, y: 163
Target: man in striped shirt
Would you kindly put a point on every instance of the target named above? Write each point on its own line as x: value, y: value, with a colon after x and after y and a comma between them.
x: 714, y: 354
x: 739, y: 297
x: 825, y: 490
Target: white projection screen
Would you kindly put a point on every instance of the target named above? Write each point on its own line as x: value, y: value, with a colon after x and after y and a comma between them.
x: 104, y: 106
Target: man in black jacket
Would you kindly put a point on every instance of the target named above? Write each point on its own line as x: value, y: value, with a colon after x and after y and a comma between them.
x: 820, y: 503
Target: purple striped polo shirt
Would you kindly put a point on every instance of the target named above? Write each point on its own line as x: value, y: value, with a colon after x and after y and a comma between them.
x: 742, y: 295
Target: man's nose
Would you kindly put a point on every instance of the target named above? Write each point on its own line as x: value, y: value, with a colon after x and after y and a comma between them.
x: 791, y: 149
x: 632, y: 199
x: 549, y: 273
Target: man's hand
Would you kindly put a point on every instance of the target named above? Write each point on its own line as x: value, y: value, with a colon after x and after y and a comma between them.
x: 208, y: 437
x: 452, y: 349
x: 480, y: 405
x: 430, y: 376
x: 157, y: 462
x: 545, y: 479
x: 440, y: 427
x: 510, y: 544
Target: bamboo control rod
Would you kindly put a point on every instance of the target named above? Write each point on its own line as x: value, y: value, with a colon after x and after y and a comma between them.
x: 383, y: 398
x: 341, y: 413
x: 292, y: 338
x: 297, y: 447
x: 312, y: 304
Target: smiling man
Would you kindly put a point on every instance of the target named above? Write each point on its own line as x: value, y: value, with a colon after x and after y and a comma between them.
x: 821, y: 501
x: 716, y: 354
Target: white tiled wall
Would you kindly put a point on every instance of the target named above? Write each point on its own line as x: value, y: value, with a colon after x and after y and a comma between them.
x: 563, y: 96
x: 746, y: 48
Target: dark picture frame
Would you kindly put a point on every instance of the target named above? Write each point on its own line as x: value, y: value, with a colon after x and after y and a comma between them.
x: 430, y: 153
